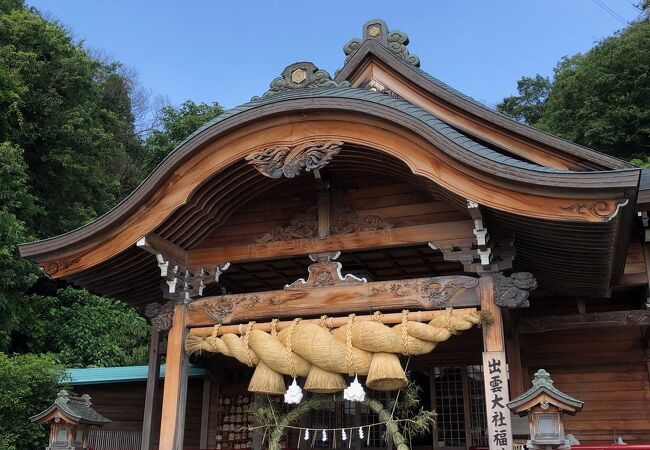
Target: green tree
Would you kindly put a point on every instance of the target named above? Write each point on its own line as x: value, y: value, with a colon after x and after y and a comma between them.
x: 16, y: 210
x: 29, y: 385
x: 528, y: 106
x: 175, y: 125
x: 600, y: 99
x: 89, y: 330
x: 68, y: 152
x: 70, y: 113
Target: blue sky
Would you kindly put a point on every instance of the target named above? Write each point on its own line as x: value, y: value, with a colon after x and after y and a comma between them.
x: 228, y: 51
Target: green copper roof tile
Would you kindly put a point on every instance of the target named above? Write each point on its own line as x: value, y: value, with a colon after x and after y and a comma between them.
x: 103, y: 375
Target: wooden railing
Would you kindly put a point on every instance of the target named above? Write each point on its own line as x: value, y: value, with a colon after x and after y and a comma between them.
x: 113, y: 439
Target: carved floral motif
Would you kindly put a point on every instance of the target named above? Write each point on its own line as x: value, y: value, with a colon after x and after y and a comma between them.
x: 344, y: 221
x: 325, y: 274
x: 290, y: 161
x: 220, y: 310
x: 600, y: 208
x: 348, y: 221
x: 302, y: 226
x: 436, y: 291
x: 61, y: 264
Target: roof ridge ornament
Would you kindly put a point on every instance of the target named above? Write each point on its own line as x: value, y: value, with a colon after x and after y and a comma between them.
x: 301, y: 75
x: 394, y: 40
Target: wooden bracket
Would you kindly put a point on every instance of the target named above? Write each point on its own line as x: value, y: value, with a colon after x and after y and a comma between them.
x: 481, y: 255
x: 180, y: 281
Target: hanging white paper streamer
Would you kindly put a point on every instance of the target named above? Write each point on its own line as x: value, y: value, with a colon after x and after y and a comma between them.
x: 354, y: 392
x: 293, y: 394
x: 344, y: 436
x: 324, y: 437
x: 360, y: 432
x: 307, y: 434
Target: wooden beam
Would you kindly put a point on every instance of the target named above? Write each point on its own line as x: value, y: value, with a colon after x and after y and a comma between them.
x: 333, y: 322
x: 158, y: 245
x: 151, y: 394
x: 492, y: 334
x: 172, y: 423
x: 495, y: 380
x: 448, y: 232
x: 418, y: 293
x: 588, y: 320
x: 513, y: 356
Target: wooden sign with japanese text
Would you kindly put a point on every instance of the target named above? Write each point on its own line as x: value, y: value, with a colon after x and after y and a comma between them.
x: 495, y: 378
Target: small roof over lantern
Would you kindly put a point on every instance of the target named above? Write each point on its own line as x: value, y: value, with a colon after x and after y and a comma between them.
x: 545, y: 393
x: 71, y: 409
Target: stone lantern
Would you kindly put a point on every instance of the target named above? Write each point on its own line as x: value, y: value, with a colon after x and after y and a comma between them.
x: 69, y: 418
x: 545, y: 405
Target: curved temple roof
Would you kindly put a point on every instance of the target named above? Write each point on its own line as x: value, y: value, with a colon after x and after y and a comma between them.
x: 305, y: 96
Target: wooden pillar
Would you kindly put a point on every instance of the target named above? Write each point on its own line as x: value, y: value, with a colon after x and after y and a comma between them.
x: 172, y: 423
x: 151, y: 395
x: 495, y: 373
x: 205, y: 412
x: 513, y: 355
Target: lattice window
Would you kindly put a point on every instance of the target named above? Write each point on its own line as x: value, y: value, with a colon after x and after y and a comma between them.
x: 478, y: 433
x: 450, y: 406
x: 460, y: 404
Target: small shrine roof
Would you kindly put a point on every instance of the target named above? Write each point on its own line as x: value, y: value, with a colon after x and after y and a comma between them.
x: 75, y: 409
x: 543, y: 384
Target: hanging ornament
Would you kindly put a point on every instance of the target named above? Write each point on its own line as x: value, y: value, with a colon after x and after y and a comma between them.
x: 354, y: 392
x: 324, y: 437
x: 307, y: 434
x: 293, y: 394
x: 344, y: 436
x: 360, y: 432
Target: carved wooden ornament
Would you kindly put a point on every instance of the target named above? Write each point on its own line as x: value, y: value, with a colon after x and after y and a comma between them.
x: 318, y: 295
x: 290, y: 161
x: 513, y: 291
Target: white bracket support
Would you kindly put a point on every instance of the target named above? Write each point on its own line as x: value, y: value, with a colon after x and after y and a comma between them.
x: 181, y: 282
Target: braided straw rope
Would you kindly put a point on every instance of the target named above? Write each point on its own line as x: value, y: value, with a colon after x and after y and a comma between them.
x: 348, y: 344
x: 274, y: 327
x: 247, y: 349
x: 292, y: 367
x: 348, y: 349
x: 405, y: 332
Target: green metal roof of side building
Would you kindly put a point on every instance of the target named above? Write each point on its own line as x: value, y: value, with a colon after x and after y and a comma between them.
x: 105, y: 375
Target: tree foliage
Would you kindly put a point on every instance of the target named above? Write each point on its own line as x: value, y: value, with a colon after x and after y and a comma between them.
x: 70, y: 115
x: 29, y: 385
x: 176, y: 124
x: 83, y: 330
x: 69, y: 151
x: 528, y: 106
x: 600, y: 99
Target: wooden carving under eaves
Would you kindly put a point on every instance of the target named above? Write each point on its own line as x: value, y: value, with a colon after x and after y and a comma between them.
x: 600, y: 209
x: 325, y: 272
x: 513, y: 291
x: 395, y: 41
x: 343, y: 221
x: 291, y: 161
x: 346, y: 297
x: 301, y: 75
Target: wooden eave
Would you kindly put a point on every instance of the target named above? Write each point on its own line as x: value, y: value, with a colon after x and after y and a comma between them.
x: 205, y: 179
x: 468, y: 115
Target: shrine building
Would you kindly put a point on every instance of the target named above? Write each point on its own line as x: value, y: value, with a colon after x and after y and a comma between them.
x: 377, y: 226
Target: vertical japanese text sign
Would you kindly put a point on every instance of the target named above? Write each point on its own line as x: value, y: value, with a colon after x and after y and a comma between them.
x: 495, y: 379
